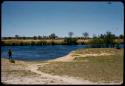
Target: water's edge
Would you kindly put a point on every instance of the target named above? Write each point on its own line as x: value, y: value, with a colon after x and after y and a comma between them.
x: 39, y: 53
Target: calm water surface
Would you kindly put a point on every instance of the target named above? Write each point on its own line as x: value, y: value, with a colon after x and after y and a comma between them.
x: 34, y: 53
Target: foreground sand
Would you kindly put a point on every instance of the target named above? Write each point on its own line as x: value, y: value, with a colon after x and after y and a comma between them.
x: 22, y: 72
x: 27, y: 73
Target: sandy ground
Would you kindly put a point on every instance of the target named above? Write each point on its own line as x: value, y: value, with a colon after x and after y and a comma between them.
x: 66, y: 58
x: 35, y: 76
x: 70, y: 57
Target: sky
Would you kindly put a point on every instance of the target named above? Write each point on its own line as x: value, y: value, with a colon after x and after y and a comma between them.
x: 33, y: 18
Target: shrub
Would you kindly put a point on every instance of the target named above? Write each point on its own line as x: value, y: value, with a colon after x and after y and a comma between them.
x: 70, y: 41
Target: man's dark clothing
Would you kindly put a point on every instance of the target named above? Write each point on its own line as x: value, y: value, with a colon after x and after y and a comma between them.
x: 10, y: 54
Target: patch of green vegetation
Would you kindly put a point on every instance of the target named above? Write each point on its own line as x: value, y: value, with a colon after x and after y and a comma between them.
x: 97, y: 68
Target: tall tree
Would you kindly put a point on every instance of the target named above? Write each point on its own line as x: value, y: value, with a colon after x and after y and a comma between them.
x: 85, y: 35
x: 52, y: 36
x: 70, y: 34
x: 102, y: 36
x: 121, y: 36
x: 16, y: 36
x: 109, y: 38
x: 39, y: 37
x: 34, y: 37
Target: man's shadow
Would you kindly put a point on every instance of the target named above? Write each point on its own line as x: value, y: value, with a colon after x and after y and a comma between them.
x: 12, y: 60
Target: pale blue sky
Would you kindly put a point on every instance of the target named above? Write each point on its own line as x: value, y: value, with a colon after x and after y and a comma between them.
x: 43, y: 18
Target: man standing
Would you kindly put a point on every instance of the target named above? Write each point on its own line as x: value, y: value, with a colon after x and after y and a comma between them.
x: 10, y: 54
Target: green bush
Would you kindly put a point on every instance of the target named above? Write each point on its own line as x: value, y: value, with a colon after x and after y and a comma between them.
x: 33, y: 43
x: 70, y: 41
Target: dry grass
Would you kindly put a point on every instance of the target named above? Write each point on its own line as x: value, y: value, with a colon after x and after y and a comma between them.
x: 98, y: 68
x: 49, y: 40
x: 97, y: 51
x: 17, y: 69
x: 29, y: 41
x: 19, y: 73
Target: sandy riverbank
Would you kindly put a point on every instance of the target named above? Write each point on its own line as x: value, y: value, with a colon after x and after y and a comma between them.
x: 22, y: 72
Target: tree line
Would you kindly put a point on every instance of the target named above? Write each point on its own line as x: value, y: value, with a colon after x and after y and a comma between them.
x: 105, y: 40
x: 85, y: 35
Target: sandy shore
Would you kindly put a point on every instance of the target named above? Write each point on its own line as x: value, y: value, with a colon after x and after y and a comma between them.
x: 22, y: 72
x: 71, y: 56
x: 66, y: 58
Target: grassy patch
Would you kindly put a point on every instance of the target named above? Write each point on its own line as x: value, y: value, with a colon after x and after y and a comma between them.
x: 97, y: 68
x: 97, y: 51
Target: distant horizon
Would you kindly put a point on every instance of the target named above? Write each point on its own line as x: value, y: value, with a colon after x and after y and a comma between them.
x: 64, y: 36
x: 33, y: 18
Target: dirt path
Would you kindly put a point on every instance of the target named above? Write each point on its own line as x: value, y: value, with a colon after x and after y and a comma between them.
x: 42, y: 78
x: 14, y: 74
x: 45, y: 78
x: 54, y: 79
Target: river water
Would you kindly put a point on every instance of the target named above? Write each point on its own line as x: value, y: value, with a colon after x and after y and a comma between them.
x: 33, y: 53
x: 38, y: 53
